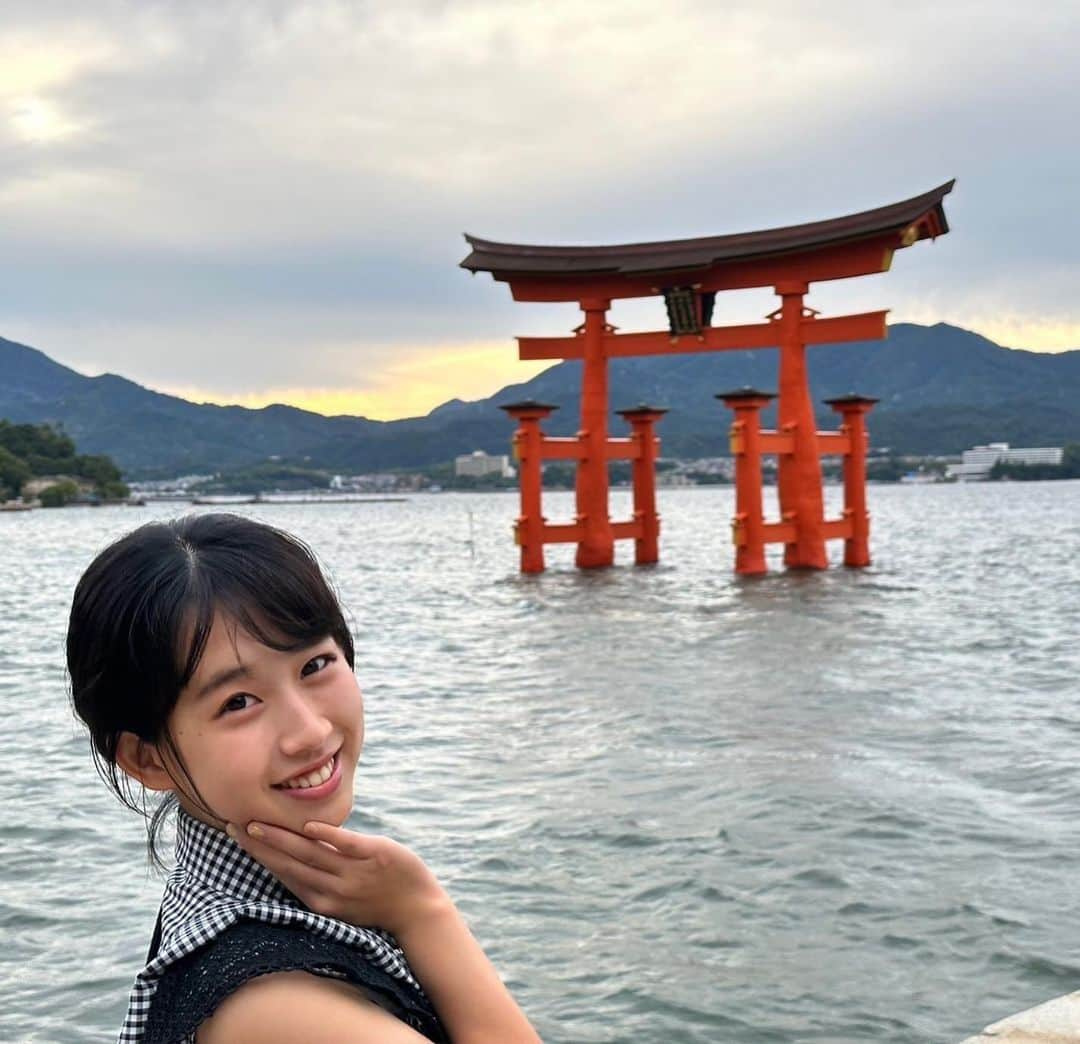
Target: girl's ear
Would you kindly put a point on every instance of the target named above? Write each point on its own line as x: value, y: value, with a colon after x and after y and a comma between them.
x: 141, y: 761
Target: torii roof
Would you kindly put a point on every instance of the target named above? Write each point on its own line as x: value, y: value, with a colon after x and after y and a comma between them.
x: 920, y: 217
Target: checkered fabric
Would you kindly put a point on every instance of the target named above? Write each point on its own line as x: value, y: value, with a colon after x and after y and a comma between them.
x: 215, y: 884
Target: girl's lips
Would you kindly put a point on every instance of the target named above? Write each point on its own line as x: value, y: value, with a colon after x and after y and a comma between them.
x: 321, y: 791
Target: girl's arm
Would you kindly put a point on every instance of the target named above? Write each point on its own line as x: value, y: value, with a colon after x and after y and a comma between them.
x: 375, y: 881
x: 462, y: 983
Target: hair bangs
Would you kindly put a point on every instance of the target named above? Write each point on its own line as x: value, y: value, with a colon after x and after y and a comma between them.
x: 284, y: 604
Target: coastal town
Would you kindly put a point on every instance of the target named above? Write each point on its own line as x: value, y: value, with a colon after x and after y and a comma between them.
x: 482, y: 471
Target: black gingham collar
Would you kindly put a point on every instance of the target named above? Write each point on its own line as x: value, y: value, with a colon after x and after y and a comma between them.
x: 212, y: 859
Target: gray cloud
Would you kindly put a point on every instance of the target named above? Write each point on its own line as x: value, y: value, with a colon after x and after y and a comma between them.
x: 194, y: 194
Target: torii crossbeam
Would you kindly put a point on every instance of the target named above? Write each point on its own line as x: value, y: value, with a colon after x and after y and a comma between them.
x: 688, y: 274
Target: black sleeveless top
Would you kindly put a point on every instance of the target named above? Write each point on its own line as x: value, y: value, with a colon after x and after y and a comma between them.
x: 191, y: 989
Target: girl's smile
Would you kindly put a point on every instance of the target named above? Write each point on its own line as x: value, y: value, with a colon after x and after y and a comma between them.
x: 313, y: 784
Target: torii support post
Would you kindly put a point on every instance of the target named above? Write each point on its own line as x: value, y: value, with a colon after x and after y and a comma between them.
x: 748, y: 525
x: 853, y: 409
x: 527, y: 442
x: 642, y: 419
x: 596, y: 549
x: 799, y: 472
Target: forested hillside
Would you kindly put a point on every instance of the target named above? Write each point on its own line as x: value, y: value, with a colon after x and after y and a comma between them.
x: 941, y: 388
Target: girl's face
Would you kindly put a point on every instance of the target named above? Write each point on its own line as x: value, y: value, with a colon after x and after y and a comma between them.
x: 254, y: 725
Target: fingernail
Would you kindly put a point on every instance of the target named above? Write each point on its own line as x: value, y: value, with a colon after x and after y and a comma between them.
x: 255, y: 830
x: 230, y: 830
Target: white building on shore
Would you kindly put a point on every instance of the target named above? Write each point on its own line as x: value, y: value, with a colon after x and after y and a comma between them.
x: 977, y: 462
x: 478, y: 464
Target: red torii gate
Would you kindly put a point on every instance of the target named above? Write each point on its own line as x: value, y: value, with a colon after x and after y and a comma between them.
x: 689, y: 273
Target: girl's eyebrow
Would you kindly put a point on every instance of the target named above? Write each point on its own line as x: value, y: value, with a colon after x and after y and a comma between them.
x: 223, y: 677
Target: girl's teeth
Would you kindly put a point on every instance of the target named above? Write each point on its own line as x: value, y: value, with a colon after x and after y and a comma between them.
x: 312, y: 779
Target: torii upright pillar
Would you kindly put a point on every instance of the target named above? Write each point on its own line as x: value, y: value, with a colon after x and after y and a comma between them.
x: 853, y: 409
x: 748, y: 525
x: 799, y: 472
x: 642, y: 420
x: 596, y: 549
x: 528, y: 443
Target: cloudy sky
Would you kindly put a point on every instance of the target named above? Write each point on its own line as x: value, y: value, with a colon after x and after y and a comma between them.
x: 264, y: 201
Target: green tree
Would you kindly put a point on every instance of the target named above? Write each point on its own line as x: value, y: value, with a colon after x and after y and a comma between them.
x: 1070, y: 460
x: 266, y: 477
x: 39, y: 449
x: 59, y: 494
x: 889, y: 469
x: 96, y: 469
x: 39, y: 441
x: 114, y: 491
x: 13, y: 473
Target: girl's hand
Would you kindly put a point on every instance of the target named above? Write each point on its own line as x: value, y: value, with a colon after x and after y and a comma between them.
x: 375, y: 881
x: 359, y: 878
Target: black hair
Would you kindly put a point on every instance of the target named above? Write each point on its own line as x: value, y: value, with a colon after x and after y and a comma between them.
x: 142, y: 613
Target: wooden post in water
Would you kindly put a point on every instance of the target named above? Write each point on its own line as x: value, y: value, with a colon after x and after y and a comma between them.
x: 528, y: 442
x: 646, y: 446
x: 853, y: 409
x: 748, y: 525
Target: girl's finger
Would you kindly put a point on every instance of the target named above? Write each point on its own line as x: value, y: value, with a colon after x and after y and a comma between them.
x: 303, y: 849
x: 347, y: 842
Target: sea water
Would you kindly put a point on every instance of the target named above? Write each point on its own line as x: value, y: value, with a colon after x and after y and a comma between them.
x: 674, y: 806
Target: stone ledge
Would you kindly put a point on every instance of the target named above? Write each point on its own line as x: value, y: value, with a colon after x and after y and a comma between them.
x: 1055, y: 1022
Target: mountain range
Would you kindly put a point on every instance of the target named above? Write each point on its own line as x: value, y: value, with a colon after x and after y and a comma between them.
x: 942, y: 389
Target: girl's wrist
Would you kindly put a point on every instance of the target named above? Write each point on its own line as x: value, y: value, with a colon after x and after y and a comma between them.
x: 426, y: 913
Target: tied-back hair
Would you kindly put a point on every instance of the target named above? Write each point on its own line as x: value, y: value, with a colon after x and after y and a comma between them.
x: 142, y: 613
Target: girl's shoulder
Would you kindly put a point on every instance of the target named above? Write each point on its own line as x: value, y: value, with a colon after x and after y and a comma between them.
x: 192, y: 989
x: 294, y: 1006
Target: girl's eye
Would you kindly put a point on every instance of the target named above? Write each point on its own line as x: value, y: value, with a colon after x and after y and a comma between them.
x: 233, y: 703
x: 316, y: 664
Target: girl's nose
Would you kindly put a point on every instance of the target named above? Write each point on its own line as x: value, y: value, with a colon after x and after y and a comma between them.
x: 305, y: 728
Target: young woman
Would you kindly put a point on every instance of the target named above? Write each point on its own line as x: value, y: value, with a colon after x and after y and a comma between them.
x: 212, y: 664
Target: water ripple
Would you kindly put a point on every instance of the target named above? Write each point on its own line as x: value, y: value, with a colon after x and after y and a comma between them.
x: 674, y: 805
